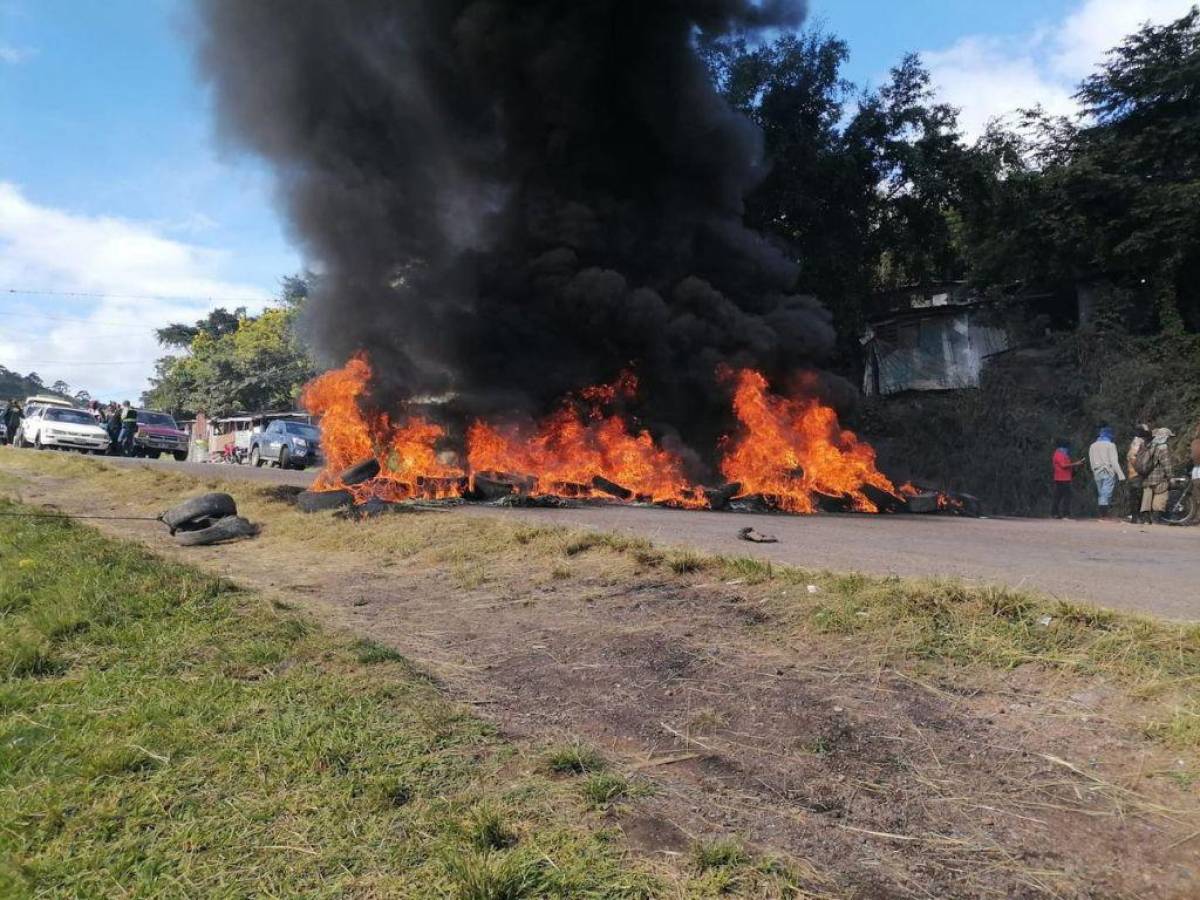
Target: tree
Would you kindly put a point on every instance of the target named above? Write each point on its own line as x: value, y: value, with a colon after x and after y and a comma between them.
x: 82, y: 398
x: 919, y: 161
x: 865, y: 198
x: 61, y: 387
x: 816, y: 194
x: 35, y: 379
x: 1142, y: 143
x: 1113, y: 196
x: 258, y: 364
x: 217, y: 323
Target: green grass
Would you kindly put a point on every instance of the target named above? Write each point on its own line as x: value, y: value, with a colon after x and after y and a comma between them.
x: 604, y: 788
x: 162, y: 734
x: 949, y: 622
x: 370, y: 653
x: 720, y: 854
x: 574, y: 759
x: 1180, y: 729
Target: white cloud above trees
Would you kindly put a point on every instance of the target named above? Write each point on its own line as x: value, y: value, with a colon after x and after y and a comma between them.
x: 988, y: 76
x: 136, y: 278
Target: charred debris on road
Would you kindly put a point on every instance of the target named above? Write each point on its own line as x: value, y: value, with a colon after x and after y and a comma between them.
x: 362, y: 493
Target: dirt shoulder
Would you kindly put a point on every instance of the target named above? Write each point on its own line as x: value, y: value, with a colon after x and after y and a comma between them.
x: 854, y: 728
x: 1141, y: 569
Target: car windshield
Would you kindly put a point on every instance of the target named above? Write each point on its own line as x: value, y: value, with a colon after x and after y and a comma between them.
x: 299, y: 429
x: 162, y: 420
x: 70, y: 416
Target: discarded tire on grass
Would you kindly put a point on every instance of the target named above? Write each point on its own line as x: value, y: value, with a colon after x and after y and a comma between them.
x: 320, y: 501
x: 227, y: 529
x: 206, y: 506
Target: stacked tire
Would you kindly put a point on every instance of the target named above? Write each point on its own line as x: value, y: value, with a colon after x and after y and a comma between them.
x: 208, y: 519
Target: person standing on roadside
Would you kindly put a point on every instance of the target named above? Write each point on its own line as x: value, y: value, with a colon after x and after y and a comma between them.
x: 1064, y: 475
x: 12, y: 421
x: 112, y: 424
x: 1157, y: 482
x: 1133, y: 483
x: 1106, y: 468
x: 128, y: 428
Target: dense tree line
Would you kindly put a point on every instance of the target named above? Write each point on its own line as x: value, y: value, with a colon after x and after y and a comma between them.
x: 879, y: 189
x: 14, y: 385
x: 231, y: 361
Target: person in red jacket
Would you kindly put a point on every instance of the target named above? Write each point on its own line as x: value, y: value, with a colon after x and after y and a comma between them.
x: 1064, y: 475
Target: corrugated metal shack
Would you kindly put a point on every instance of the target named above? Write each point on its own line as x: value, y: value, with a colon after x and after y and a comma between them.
x: 930, y: 339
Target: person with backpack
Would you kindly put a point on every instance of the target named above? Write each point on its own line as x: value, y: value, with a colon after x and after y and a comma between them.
x: 1064, y: 474
x: 1133, y: 481
x: 1154, y: 462
x: 1106, y: 468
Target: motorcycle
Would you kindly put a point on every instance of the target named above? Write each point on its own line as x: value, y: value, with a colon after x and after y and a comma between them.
x: 1183, y: 500
x: 230, y: 454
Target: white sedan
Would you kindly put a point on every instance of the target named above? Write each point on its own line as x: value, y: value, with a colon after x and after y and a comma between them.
x: 69, y: 429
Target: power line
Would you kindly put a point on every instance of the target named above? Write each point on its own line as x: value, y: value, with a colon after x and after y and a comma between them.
x: 103, y: 296
x: 71, y: 362
x: 32, y: 515
x: 81, y: 321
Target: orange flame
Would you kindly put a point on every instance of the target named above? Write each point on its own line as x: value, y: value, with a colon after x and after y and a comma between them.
x: 408, y: 460
x: 792, y: 449
x: 573, y: 445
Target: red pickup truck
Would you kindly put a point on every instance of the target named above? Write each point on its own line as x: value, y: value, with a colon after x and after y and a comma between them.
x: 158, y: 433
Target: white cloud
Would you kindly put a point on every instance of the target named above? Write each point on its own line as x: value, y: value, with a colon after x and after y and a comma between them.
x: 1097, y: 25
x: 108, y: 346
x: 14, y: 56
x: 987, y: 76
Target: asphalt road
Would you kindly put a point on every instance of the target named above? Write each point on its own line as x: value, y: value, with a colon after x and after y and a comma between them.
x: 1146, y: 569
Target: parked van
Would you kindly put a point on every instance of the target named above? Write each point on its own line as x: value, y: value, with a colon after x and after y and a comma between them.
x: 46, y: 400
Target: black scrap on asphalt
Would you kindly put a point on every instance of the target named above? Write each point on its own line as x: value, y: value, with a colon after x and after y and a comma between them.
x: 510, y: 490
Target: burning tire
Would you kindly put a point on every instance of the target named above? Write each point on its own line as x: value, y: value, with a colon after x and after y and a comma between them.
x: 224, y: 529
x: 206, y: 506
x: 360, y: 472
x: 321, y: 501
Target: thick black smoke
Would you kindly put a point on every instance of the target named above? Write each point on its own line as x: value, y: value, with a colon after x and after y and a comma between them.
x: 515, y: 199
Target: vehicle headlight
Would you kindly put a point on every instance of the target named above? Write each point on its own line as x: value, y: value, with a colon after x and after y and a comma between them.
x: 50, y: 432
x: 301, y: 444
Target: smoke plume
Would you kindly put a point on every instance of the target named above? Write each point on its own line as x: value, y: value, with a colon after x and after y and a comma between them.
x: 511, y: 199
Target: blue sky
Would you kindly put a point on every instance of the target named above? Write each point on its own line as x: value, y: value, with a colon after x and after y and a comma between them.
x: 112, y: 184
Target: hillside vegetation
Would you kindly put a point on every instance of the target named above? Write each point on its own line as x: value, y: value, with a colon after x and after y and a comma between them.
x: 15, y: 386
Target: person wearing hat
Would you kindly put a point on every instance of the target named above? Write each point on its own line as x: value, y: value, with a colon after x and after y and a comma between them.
x: 1133, y: 480
x: 1106, y: 468
x: 1158, y: 478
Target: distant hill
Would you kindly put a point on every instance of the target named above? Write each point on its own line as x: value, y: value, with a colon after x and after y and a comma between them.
x: 16, y: 385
